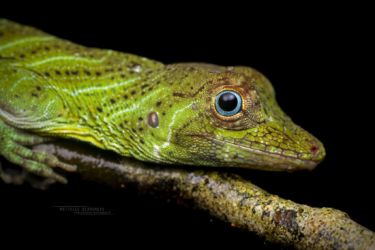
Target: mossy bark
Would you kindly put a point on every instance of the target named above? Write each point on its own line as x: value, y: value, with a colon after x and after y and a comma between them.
x: 225, y: 196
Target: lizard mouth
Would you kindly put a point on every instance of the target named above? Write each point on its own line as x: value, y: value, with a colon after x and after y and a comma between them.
x: 267, y: 160
x: 231, y: 153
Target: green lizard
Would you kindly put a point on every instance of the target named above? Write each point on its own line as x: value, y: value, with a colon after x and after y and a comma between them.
x: 185, y: 113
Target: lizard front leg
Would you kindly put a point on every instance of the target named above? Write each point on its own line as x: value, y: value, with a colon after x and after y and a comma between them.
x: 14, y: 146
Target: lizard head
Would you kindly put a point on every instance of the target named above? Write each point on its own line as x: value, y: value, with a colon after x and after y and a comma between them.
x: 228, y: 116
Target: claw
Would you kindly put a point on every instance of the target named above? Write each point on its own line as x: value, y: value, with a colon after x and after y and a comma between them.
x: 66, y: 167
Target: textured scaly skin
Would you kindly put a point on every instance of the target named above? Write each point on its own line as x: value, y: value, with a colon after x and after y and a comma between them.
x: 138, y: 108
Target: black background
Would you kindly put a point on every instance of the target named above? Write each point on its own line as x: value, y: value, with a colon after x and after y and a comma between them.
x: 319, y: 59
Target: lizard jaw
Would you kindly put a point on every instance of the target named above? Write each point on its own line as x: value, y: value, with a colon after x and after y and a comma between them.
x: 228, y: 153
x: 250, y: 157
x: 270, y: 160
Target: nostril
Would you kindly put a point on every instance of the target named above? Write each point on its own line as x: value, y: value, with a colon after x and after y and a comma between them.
x: 314, y: 149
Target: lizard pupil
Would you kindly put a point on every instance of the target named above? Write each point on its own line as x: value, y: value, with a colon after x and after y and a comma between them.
x: 228, y: 103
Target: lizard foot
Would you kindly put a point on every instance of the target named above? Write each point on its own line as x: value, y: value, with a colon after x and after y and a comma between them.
x: 13, y: 146
x: 11, y: 175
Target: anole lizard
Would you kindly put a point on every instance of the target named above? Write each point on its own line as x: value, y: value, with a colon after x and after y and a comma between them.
x: 185, y: 113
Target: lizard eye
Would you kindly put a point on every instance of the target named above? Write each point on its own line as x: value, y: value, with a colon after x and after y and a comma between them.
x: 228, y: 103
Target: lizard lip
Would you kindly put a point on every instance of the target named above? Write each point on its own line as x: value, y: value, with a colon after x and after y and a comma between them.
x: 278, y: 161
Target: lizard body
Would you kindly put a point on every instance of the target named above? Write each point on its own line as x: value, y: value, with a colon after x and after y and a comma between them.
x: 186, y: 113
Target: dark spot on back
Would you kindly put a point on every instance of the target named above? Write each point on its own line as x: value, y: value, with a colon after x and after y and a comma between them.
x: 98, y: 73
x: 140, y: 119
x: 34, y: 94
x: 113, y: 101
x: 22, y: 56
x: 87, y: 72
x: 46, y: 74
x: 144, y: 86
x: 47, y: 48
x: 99, y: 109
x: 142, y: 141
x: 38, y: 88
x: 125, y: 97
x: 57, y: 72
x: 67, y: 72
x: 75, y: 72
x: 163, y: 113
x: 158, y: 103
x: 133, y: 129
x: 133, y: 92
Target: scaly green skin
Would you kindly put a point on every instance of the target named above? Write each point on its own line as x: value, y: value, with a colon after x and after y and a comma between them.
x: 138, y: 108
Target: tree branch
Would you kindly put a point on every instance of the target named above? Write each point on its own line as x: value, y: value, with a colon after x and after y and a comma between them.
x: 227, y: 197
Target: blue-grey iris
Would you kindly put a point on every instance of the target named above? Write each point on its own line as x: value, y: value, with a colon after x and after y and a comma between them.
x: 228, y: 103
